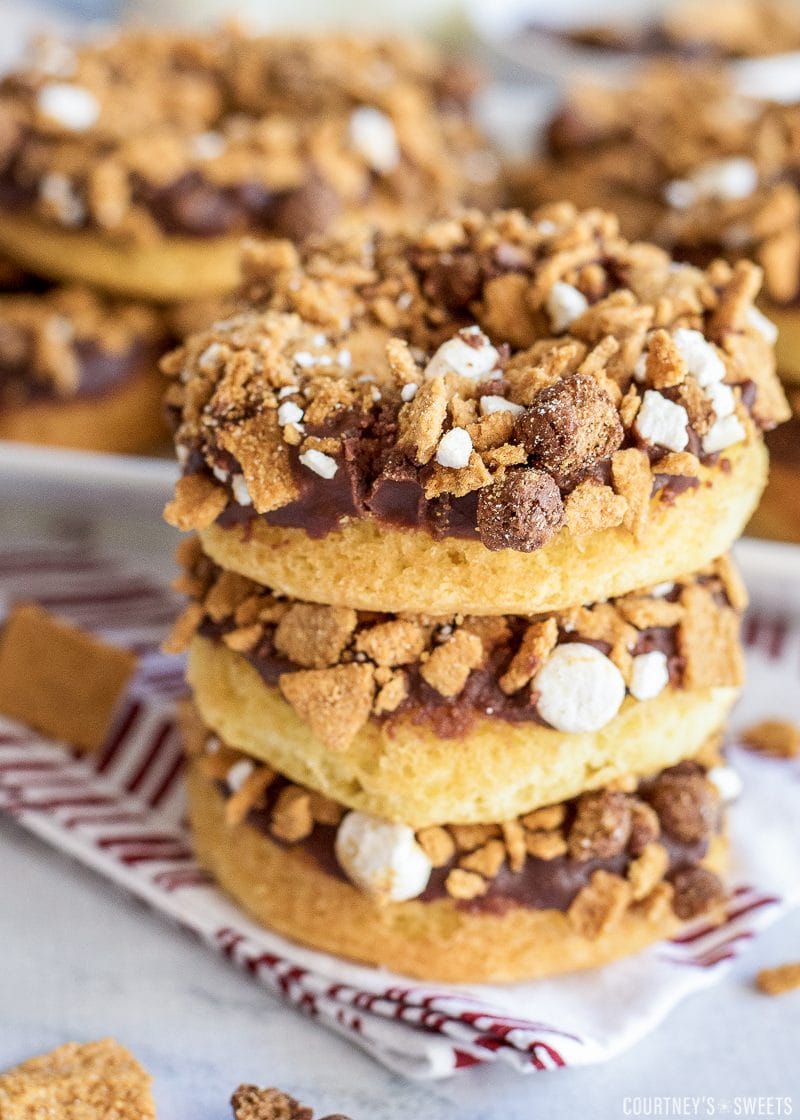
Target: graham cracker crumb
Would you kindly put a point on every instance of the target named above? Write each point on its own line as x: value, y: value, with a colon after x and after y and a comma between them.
x: 249, y: 795
x: 777, y: 981
x: 60, y: 680
x: 451, y: 663
x: 538, y: 642
x: 89, y: 1081
x: 599, y: 906
x: 647, y: 870
x: 514, y: 839
x: 335, y: 703
x: 391, y: 694
x: 259, y: 449
x: 465, y: 885
x: 708, y: 640
x: 547, y: 818
x: 184, y: 628
x: 630, y: 473
x: 591, y: 507
x: 665, y: 365
x: 471, y: 836
x: 645, y: 612
x: 324, y: 809
x: 437, y: 844
x: 777, y: 737
x: 314, y: 636
x: 228, y: 591
x: 243, y: 638
x: 732, y: 583
x: 658, y: 903
x: 487, y: 860
x: 198, y: 502
x: 545, y: 844
x: 421, y: 421
x: 292, y: 819
x: 397, y: 642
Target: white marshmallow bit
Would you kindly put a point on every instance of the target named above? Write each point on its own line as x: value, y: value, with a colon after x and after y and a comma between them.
x: 469, y: 354
x: 238, y: 774
x: 211, y: 357
x: 661, y: 421
x: 763, y: 325
x: 304, y: 359
x: 680, y: 194
x: 640, y: 369
x: 649, y: 675
x: 726, y: 178
x: 289, y: 413
x: 286, y: 391
x: 723, y: 433
x: 579, y: 688
x: 722, y: 398
x: 57, y: 191
x: 564, y: 304
x: 373, y: 136
x: 408, y: 392
x: 659, y: 590
x: 344, y: 359
x: 492, y: 403
x: 702, y: 360
x: 207, y: 145
x: 220, y: 474
x: 319, y: 463
x: 72, y: 106
x: 727, y: 782
x: 182, y: 454
x: 382, y: 858
x: 455, y: 448
x: 240, y: 492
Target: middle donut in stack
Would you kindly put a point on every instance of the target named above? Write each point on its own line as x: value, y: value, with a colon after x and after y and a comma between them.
x: 459, y: 698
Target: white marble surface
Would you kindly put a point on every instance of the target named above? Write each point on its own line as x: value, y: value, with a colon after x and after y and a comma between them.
x: 81, y: 960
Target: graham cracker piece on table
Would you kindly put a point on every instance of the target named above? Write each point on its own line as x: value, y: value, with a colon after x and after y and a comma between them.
x: 58, y: 679
x: 90, y: 1081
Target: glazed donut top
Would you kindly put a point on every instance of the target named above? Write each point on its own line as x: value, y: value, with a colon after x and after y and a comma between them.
x: 690, y: 163
x: 150, y: 134
x: 339, y: 667
x: 492, y: 377
x: 67, y: 343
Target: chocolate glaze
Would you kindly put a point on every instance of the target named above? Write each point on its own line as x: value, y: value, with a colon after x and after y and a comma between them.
x: 99, y: 371
x: 540, y: 885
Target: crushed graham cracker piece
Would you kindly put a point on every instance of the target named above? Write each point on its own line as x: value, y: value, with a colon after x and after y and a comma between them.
x: 545, y: 844
x: 591, y: 507
x: 198, y: 502
x: 599, y: 906
x: 335, y: 703
x: 465, y: 885
x: 458, y: 482
x: 60, y: 680
x: 647, y: 870
x: 184, y: 628
x: 708, y: 640
x: 514, y: 840
x: 777, y: 737
x: 437, y: 844
x: 486, y: 860
x: 391, y: 694
x: 421, y: 421
x: 396, y: 642
x: 538, y: 642
x: 78, y: 1081
x: 292, y: 819
x: 324, y: 809
x: 228, y: 591
x: 243, y: 638
x: 314, y: 636
x: 257, y: 445
x: 546, y: 818
x: 645, y: 611
x: 680, y: 463
x: 665, y: 364
x: 779, y: 980
x: 732, y: 583
x: 657, y: 905
x: 468, y: 837
x: 630, y: 473
x: 249, y: 795
x: 451, y: 663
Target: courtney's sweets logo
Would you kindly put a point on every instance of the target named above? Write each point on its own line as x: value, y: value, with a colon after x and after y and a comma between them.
x: 671, y: 1108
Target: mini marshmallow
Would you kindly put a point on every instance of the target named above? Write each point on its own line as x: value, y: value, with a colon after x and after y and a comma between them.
x: 492, y: 403
x: 344, y: 359
x: 727, y: 782
x: 662, y: 422
x: 207, y: 145
x: 579, y: 688
x: 659, y: 590
x: 702, y: 360
x: 304, y: 359
x: 762, y: 324
x: 211, y: 357
x: 649, y: 675
x: 469, y: 354
x: 240, y: 492
x: 723, y: 433
x: 238, y: 774
x: 289, y: 413
x: 72, y: 106
x: 408, y: 392
x: 726, y: 178
x: 722, y: 398
x: 455, y: 448
x: 564, y: 304
x: 640, y: 368
x: 319, y: 463
x: 680, y: 194
x: 286, y: 391
x: 220, y: 474
x: 381, y: 857
x: 57, y: 190
x: 373, y: 135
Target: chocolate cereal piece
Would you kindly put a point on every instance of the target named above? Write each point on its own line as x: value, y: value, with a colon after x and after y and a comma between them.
x: 521, y: 510
x: 90, y: 1081
x: 697, y: 891
x: 687, y: 805
x: 59, y: 679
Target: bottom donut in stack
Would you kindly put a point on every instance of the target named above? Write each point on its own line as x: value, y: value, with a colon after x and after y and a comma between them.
x: 462, y: 798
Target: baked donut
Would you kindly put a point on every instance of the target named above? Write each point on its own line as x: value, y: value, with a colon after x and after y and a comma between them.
x: 491, y: 415
x: 415, y: 718
x: 690, y: 163
x: 80, y: 372
x: 136, y: 162
x: 570, y: 886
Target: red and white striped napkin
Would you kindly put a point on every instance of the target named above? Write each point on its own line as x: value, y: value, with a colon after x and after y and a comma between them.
x: 121, y: 813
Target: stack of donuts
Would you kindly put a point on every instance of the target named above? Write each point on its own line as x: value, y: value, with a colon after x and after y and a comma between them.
x: 132, y: 165
x: 463, y: 632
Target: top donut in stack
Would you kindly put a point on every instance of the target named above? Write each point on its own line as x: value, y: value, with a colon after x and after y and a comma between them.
x: 493, y: 415
x: 136, y: 162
